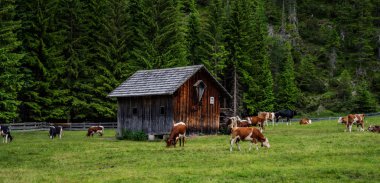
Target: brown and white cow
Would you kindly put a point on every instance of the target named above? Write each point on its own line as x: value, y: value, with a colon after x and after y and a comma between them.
x: 375, y: 128
x: 267, y: 116
x: 178, y: 133
x: 351, y: 119
x: 256, y: 121
x: 305, y: 121
x: 248, y: 134
x: 237, y: 122
x: 95, y: 129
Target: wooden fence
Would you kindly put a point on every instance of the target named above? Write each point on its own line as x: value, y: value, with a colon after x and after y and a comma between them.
x: 34, y: 126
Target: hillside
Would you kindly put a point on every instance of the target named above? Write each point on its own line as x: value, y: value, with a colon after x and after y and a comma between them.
x: 60, y: 58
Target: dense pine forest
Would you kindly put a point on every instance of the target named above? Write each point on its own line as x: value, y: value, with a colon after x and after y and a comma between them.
x: 60, y: 58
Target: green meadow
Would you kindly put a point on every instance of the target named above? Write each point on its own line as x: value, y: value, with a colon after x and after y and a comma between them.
x: 320, y: 152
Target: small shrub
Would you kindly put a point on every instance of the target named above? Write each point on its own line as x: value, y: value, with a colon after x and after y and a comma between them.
x: 134, y: 135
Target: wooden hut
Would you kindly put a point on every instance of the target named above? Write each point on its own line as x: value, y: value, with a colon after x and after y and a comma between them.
x: 151, y: 100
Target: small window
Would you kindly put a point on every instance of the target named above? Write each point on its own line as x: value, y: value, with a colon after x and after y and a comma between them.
x: 200, y: 88
x: 134, y: 110
x: 162, y: 110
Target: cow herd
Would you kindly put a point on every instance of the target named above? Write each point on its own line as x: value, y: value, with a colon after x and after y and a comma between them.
x: 245, y: 129
x: 54, y: 131
x: 240, y: 129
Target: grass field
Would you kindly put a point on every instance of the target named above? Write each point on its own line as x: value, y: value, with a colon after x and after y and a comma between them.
x: 320, y: 152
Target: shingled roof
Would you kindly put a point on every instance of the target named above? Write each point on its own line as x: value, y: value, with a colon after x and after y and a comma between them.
x: 159, y: 82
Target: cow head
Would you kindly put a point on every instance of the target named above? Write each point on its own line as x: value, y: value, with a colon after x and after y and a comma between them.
x: 370, y: 128
x: 340, y: 120
x: 170, y: 142
x: 265, y: 143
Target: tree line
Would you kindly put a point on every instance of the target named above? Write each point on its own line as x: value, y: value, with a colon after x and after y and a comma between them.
x: 60, y: 58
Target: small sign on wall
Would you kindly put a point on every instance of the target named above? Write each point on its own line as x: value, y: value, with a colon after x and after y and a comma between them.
x: 211, y: 100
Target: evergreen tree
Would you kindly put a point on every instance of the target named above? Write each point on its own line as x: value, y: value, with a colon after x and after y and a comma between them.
x: 342, y: 99
x: 142, y: 31
x: 10, y: 55
x: 42, y: 65
x: 78, y: 79
x: 213, y: 39
x: 264, y: 96
x: 163, y: 42
x: 110, y: 60
x: 267, y: 101
x: 194, y: 35
x: 288, y: 94
x: 363, y: 101
x: 308, y: 78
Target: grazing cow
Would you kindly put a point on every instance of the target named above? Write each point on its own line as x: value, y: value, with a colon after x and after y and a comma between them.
x: 305, y: 121
x: 375, y: 128
x: 54, y: 131
x: 285, y: 113
x: 256, y: 121
x: 6, y: 133
x: 351, y: 119
x: 237, y: 122
x: 267, y: 116
x: 178, y: 133
x: 95, y: 129
x: 250, y: 134
x: 232, y: 122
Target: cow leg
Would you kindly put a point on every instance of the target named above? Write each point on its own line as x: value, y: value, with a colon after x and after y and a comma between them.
x: 6, y: 138
x: 238, y: 144
x: 232, y: 141
x: 349, y: 127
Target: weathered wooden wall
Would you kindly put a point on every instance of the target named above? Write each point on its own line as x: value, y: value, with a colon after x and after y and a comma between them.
x: 148, y: 117
x: 202, y: 118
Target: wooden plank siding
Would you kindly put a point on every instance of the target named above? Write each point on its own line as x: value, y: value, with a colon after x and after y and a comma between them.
x: 148, y: 117
x: 202, y: 118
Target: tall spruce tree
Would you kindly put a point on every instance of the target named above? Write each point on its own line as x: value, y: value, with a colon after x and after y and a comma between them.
x: 10, y: 55
x: 162, y: 33
x: 78, y: 78
x: 363, y: 101
x: 264, y: 96
x: 194, y: 32
x: 42, y: 65
x: 214, y: 49
x: 105, y: 45
x: 239, y: 66
x: 288, y: 93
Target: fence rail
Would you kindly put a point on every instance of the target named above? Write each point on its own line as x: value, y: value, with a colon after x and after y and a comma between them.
x: 35, y: 126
